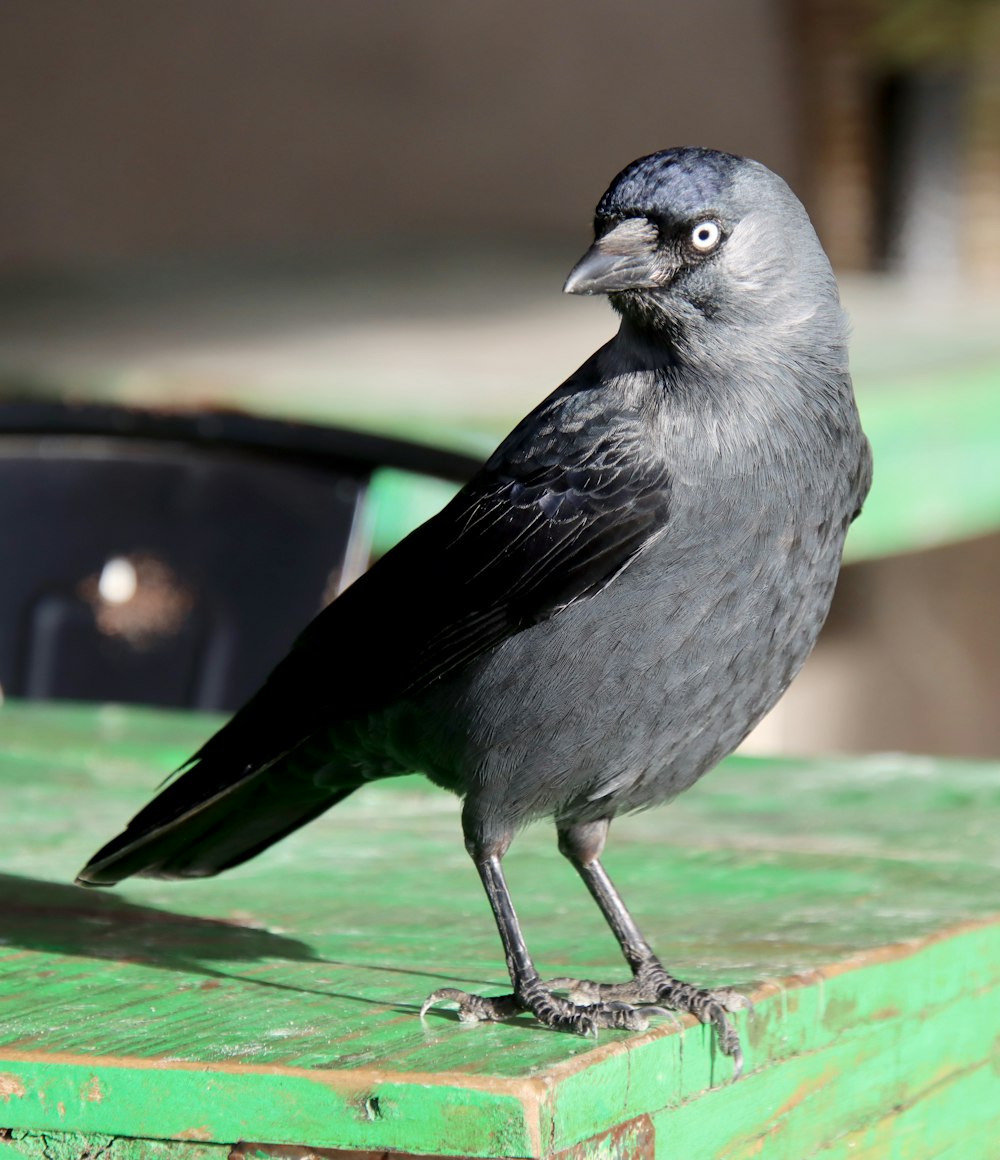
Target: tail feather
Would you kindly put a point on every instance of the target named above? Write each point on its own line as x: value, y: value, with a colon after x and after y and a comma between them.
x: 196, y: 828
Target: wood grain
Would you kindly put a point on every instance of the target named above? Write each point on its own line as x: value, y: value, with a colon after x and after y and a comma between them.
x: 857, y: 899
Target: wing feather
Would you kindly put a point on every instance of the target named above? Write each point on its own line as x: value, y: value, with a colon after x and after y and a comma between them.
x: 555, y: 515
x: 548, y: 520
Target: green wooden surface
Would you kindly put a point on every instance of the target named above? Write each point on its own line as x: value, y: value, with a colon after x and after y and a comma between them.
x: 858, y: 898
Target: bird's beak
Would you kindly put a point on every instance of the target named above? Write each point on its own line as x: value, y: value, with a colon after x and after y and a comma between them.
x: 625, y: 258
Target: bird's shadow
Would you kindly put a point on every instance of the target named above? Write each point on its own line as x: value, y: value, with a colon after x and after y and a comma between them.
x: 61, y: 919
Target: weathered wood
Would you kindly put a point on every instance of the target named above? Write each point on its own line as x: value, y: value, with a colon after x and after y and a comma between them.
x: 76, y: 1146
x: 279, y: 1003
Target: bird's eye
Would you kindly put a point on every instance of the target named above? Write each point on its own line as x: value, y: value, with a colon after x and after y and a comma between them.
x: 705, y: 236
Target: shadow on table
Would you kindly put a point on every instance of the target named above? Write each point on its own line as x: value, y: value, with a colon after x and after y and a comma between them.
x: 61, y: 919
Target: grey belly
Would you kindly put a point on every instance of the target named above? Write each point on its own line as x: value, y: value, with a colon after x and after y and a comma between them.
x: 624, y: 699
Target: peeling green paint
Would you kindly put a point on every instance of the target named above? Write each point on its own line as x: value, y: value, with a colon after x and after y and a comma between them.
x: 278, y: 1003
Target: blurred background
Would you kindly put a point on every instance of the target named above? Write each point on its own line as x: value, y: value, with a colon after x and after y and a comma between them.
x: 362, y: 215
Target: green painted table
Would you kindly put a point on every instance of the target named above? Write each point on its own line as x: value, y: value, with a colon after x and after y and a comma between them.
x: 857, y: 900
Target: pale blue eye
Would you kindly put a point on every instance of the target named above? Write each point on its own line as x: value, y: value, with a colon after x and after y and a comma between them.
x: 705, y: 236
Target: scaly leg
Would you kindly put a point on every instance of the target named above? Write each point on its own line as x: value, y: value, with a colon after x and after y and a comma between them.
x: 530, y: 992
x: 651, y: 982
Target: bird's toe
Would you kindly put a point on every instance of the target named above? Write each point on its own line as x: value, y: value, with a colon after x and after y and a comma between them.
x: 733, y: 1000
x: 474, y: 1008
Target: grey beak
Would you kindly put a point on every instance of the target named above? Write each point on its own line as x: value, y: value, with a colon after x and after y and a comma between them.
x: 625, y: 258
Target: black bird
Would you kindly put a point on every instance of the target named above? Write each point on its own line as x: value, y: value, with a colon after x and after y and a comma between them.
x: 606, y: 609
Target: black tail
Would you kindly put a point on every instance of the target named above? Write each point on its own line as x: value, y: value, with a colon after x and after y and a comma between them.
x: 197, y: 827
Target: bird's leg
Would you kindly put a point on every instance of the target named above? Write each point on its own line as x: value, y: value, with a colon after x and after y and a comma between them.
x: 651, y: 982
x: 530, y: 992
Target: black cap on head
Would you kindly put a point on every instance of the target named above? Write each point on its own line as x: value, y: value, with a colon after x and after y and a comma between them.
x: 685, y: 179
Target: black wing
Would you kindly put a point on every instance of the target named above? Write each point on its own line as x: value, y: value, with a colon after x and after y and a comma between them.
x: 552, y: 518
x: 572, y: 496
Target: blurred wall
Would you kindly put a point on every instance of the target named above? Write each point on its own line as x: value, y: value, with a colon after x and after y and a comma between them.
x: 191, y: 126
x: 907, y: 660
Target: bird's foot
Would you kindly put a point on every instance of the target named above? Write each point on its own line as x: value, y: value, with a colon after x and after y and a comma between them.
x: 653, y: 984
x: 537, y: 998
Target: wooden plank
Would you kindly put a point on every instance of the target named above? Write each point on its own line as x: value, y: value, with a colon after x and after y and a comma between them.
x: 278, y: 1003
x: 77, y: 1146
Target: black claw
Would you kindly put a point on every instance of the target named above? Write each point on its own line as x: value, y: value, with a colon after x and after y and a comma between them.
x: 548, y: 1009
x: 475, y: 1008
x: 613, y: 1006
x: 651, y: 984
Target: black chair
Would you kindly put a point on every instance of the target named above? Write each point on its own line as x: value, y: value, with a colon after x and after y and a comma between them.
x: 170, y: 558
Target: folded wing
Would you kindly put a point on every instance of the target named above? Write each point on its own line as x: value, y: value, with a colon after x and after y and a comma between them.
x: 572, y: 496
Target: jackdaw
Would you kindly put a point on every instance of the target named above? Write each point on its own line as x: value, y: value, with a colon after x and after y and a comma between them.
x: 609, y: 606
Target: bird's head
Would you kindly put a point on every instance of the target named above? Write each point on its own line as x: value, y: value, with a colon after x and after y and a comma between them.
x: 688, y: 241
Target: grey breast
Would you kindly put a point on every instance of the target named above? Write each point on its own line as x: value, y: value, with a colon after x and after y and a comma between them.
x: 625, y: 698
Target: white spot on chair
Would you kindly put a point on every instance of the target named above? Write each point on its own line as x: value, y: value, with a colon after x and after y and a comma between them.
x: 118, y: 581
